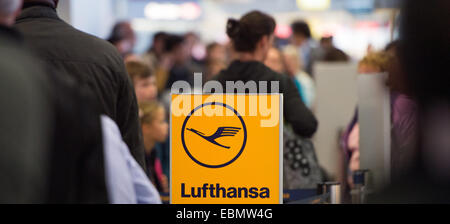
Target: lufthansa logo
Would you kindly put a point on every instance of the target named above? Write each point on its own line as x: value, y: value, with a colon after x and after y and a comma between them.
x: 214, y: 141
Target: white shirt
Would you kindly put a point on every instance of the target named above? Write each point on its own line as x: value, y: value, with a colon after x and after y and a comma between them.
x: 126, y: 181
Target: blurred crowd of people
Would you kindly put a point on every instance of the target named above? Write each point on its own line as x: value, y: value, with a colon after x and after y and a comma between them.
x: 85, y: 121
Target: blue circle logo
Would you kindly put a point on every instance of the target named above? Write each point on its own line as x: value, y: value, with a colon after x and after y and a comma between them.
x: 225, y: 142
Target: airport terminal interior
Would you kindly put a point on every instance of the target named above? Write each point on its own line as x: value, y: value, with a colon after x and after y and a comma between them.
x: 113, y: 101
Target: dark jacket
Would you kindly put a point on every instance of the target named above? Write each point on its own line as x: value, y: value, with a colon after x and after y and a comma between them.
x: 77, y: 170
x: 24, y: 134
x: 296, y: 113
x: 90, y: 61
x: 52, y: 151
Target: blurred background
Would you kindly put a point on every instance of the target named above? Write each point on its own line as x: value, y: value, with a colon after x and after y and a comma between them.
x: 354, y: 24
x: 357, y: 27
x: 372, y: 108
x: 349, y: 29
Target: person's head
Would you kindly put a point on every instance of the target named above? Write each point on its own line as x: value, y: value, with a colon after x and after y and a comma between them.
x: 326, y: 42
x: 385, y: 62
x: 335, y: 55
x: 376, y: 62
x: 123, y: 37
x: 159, y: 41
x: 396, y: 79
x: 292, y: 60
x: 52, y: 3
x: 153, y: 121
x: 143, y: 80
x: 175, y: 46
x: 392, y: 47
x: 275, y: 60
x: 216, y: 51
x: 9, y: 9
x: 253, y: 33
x: 301, y: 32
x: 191, y: 39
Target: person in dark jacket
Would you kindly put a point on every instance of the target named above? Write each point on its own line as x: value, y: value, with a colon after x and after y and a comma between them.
x: 51, y: 142
x: 24, y: 134
x: 87, y: 59
x: 252, y: 37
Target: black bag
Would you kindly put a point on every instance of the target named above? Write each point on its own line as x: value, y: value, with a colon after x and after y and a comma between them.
x: 301, y: 168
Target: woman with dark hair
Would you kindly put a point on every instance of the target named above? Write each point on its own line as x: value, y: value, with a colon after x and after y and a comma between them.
x: 252, y: 36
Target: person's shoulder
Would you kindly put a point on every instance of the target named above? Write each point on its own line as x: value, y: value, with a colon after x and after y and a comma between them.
x: 96, y: 43
x: 86, y: 44
x: 305, y: 78
x: 404, y: 104
x: 64, y: 37
x: 263, y: 73
x: 96, y: 50
x: 270, y: 74
x: 221, y: 76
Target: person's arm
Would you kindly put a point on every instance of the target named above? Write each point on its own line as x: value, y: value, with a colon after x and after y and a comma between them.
x: 127, y: 119
x: 296, y: 113
x: 126, y: 181
x: 118, y: 177
x: 146, y: 192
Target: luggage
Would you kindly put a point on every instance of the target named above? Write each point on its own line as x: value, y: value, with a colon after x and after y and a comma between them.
x: 301, y: 168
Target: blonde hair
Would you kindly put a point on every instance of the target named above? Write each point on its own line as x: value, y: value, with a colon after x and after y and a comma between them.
x: 147, y: 111
x: 380, y: 60
x: 292, y: 51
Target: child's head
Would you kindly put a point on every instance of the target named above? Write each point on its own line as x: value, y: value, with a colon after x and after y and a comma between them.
x: 153, y: 121
x: 275, y: 60
x: 375, y: 62
x: 292, y: 60
x: 143, y: 80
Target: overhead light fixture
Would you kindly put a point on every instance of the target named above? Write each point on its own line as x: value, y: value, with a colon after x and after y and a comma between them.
x: 313, y: 5
x: 157, y: 11
x: 172, y: 11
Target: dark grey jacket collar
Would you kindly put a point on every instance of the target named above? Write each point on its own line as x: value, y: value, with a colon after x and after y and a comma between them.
x: 38, y: 11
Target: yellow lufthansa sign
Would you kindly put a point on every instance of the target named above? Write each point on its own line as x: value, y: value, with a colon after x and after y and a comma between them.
x: 225, y: 149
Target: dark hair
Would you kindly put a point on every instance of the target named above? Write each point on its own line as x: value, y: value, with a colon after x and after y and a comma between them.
x: 302, y: 28
x: 211, y: 46
x: 50, y: 3
x: 328, y: 39
x: 173, y: 41
x: 392, y: 46
x: 335, y: 55
x: 119, y: 32
x: 159, y: 35
x: 246, y: 32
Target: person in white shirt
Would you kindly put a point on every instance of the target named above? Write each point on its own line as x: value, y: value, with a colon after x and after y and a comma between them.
x: 126, y: 181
